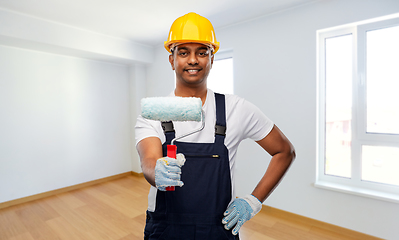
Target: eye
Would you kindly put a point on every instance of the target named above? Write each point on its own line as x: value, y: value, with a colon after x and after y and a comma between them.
x: 182, y: 54
x: 203, y: 53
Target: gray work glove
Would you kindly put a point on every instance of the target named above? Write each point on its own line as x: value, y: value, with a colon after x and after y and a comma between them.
x: 168, y: 170
x: 240, y: 211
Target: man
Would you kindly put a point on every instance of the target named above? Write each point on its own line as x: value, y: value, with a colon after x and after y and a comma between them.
x: 204, y: 206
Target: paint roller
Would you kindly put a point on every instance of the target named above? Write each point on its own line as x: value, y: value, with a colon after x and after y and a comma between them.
x: 167, y: 109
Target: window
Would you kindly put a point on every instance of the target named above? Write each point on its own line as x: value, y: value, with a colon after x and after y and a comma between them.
x: 220, y: 78
x: 358, y: 109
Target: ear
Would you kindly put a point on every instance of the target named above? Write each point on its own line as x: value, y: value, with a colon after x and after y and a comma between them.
x: 212, y: 57
x: 172, y: 61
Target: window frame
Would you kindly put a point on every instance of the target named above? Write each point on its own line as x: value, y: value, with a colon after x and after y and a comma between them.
x: 360, y: 136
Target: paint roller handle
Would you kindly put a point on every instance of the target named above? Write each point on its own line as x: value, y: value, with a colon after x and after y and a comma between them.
x: 171, y: 152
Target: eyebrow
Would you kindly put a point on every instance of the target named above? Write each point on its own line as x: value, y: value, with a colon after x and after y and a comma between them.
x: 199, y: 48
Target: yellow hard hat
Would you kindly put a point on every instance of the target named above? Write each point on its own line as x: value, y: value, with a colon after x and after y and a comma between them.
x: 192, y: 28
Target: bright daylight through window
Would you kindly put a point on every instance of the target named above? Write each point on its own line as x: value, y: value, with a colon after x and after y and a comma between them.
x: 358, y: 113
x: 220, y: 78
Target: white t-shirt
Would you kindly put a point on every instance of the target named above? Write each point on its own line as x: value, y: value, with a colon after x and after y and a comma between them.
x: 243, y: 120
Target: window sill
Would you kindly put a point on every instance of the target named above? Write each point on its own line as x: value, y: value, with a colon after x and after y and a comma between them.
x: 390, y: 197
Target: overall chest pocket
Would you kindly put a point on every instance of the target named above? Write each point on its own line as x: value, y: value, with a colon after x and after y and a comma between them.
x: 204, y: 170
x: 203, y: 156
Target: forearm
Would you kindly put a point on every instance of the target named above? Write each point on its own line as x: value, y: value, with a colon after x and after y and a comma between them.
x: 278, y: 166
x: 283, y: 153
x: 148, y: 170
x: 149, y: 149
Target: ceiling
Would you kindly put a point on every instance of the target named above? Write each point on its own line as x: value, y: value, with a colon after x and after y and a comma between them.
x: 144, y: 21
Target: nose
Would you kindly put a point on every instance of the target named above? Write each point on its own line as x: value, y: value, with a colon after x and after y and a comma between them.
x: 192, y: 59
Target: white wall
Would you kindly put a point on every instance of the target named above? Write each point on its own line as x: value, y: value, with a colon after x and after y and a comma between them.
x: 275, y: 68
x: 64, y: 121
x: 138, y: 88
x: 160, y: 77
x: 68, y: 104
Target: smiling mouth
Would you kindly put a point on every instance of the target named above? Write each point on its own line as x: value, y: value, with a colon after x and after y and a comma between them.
x: 193, y: 71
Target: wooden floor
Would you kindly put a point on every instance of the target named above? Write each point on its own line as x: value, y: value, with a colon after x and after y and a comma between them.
x: 115, y: 210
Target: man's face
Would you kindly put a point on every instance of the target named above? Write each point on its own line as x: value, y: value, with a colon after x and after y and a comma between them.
x: 192, y: 63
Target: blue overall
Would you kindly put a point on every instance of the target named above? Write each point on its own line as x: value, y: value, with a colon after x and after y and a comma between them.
x: 195, y: 211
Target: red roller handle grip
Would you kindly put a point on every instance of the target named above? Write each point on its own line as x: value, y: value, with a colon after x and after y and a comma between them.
x: 171, y: 152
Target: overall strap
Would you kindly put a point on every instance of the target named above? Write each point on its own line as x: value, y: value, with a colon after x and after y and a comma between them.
x: 220, y: 127
x: 169, y: 131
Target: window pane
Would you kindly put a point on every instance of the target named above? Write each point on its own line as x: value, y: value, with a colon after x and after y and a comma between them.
x: 383, y: 80
x: 220, y: 78
x: 338, y: 105
x: 380, y: 164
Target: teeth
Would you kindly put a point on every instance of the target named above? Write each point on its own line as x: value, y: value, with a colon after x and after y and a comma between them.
x: 192, y: 71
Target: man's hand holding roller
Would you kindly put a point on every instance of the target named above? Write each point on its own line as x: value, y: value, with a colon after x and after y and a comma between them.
x: 168, y: 170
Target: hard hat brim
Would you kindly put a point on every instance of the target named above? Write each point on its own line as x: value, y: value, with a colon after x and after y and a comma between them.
x: 168, y: 44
